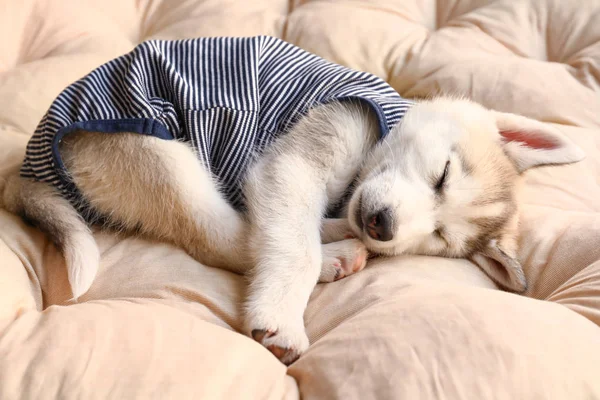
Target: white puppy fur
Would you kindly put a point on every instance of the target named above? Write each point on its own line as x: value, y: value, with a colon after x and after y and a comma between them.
x: 442, y: 182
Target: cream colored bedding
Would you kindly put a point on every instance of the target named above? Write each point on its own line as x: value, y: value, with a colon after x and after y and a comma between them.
x: 157, y: 324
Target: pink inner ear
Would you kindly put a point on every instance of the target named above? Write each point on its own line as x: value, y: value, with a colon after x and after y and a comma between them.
x: 534, y: 141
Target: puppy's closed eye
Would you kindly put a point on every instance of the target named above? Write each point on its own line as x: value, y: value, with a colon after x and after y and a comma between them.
x: 442, y: 179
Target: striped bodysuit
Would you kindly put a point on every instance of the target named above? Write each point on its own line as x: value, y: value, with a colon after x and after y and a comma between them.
x: 227, y: 97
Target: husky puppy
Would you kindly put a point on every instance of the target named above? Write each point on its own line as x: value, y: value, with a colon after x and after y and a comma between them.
x: 441, y: 181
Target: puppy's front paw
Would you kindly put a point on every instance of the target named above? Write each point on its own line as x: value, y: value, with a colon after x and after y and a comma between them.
x: 279, y: 345
x: 341, y: 259
x: 286, y: 341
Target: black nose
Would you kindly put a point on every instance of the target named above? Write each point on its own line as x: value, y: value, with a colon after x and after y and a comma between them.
x: 379, y: 225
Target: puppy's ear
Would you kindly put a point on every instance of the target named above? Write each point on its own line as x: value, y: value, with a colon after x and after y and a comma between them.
x: 501, y: 265
x: 530, y: 143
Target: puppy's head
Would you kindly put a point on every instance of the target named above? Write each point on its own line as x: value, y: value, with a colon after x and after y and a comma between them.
x: 443, y: 182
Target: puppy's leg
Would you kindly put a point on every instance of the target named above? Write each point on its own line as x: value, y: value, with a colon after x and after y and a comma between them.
x: 288, y: 190
x: 157, y: 187
x: 287, y: 248
x: 335, y: 230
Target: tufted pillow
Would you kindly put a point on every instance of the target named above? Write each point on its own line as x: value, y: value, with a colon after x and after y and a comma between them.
x: 157, y: 324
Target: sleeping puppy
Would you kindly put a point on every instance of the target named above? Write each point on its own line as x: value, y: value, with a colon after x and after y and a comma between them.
x: 257, y: 157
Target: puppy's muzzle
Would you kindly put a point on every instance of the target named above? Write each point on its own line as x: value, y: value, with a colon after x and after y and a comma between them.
x: 379, y: 225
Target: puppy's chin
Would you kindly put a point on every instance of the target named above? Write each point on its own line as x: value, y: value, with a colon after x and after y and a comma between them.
x: 383, y: 252
x: 387, y: 249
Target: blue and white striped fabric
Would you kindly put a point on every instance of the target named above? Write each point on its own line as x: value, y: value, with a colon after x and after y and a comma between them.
x: 227, y: 97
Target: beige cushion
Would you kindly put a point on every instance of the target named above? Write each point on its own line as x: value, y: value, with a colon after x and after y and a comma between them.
x: 156, y: 324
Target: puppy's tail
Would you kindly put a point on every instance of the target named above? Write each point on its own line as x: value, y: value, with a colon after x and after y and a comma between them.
x: 42, y: 205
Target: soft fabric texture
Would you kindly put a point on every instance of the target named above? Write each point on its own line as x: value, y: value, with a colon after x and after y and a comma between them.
x: 157, y: 324
x: 228, y: 98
